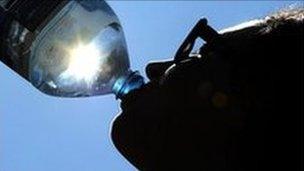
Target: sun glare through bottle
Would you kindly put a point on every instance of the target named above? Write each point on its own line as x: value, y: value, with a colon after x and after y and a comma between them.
x: 82, y: 52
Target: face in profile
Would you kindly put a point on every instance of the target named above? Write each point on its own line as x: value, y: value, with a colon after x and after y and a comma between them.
x: 217, y: 105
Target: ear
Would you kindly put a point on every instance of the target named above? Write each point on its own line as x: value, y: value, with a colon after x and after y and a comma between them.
x: 156, y: 69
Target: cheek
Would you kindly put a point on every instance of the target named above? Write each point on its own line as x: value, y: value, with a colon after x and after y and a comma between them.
x: 220, y: 100
x: 204, y: 90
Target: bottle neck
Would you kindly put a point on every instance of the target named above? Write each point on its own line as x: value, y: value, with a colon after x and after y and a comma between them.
x: 127, y: 83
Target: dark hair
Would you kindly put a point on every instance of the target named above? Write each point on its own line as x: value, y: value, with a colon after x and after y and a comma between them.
x: 292, y: 15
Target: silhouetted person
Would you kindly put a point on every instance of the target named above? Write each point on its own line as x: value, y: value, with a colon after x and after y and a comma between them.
x: 236, y: 105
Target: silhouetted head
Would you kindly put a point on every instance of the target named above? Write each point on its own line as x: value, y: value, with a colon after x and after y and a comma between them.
x: 235, y: 106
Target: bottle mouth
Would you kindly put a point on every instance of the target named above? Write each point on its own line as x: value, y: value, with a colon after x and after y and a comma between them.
x: 127, y: 83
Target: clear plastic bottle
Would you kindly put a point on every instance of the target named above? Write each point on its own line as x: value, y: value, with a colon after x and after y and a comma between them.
x: 82, y: 52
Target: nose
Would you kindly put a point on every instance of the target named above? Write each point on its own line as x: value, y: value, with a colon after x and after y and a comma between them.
x: 155, y: 70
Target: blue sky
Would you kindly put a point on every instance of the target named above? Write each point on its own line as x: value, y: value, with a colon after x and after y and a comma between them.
x: 43, y: 133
